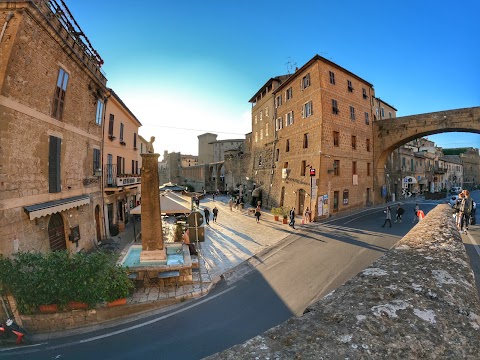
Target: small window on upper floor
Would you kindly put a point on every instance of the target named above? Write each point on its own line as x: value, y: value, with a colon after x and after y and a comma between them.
x: 99, y: 115
x: 305, y: 81
x: 121, y: 134
x: 288, y: 93
x: 289, y: 118
x: 277, y: 155
x: 389, y: 114
x: 352, y: 113
x: 367, y: 118
x: 261, y: 115
x: 383, y: 113
x: 336, y: 138
x: 278, y: 101
x: 349, y: 86
x: 332, y: 77
x: 364, y: 93
x: 59, y: 96
x: 305, y: 141
x: 354, y: 142
x: 279, y: 124
x: 334, y: 106
x: 368, y: 145
x: 307, y: 109
x: 287, y: 146
x: 255, y: 119
x: 303, y: 168
x: 266, y: 112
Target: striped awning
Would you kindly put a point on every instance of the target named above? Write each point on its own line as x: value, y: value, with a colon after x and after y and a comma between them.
x: 52, y: 207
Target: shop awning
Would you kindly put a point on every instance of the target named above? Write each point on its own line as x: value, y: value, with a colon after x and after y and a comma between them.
x: 52, y: 207
x: 167, y: 206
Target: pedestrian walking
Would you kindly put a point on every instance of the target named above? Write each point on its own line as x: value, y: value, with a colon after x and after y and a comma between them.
x: 307, y: 216
x: 230, y: 203
x: 213, y: 196
x: 215, y: 213
x: 388, y: 216
x: 415, y: 215
x: 465, y: 211
x: 400, y: 212
x: 292, y: 218
x: 207, y: 215
x: 258, y: 213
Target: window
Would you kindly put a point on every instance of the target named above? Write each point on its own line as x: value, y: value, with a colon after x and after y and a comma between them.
x: 111, y: 122
x: 334, y: 106
x: 332, y: 77
x: 368, y: 145
x: 364, y: 93
x: 403, y: 162
x: 266, y: 130
x: 260, y: 160
x: 54, y: 157
x: 96, y: 160
x: 352, y: 113
x: 121, y: 134
x: 277, y: 155
x: 336, y: 167
x: 279, y: 124
x: 307, y: 109
x: 261, y: 115
x: 134, y: 141
x: 136, y: 167
x: 305, y: 81
x: 287, y: 146
x: 133, y: 166
x: 285, y: 165
x: 99, y: 116
x: 59, y: 97
x: 336, y: 138
x: 345, y: 197
x: 367, y: 118
x: 335, y: 201
x: 349, y: 86
x: 368, y: 169
x: 261, y: 134
x: 303, y: 169
x: 266, y: 112
x: 354, y: 142
x: 411, y: 165
x: 288, y: 93
x: 289, y: 118
x: 256, y: 136
x: 305, y: 141
x: 383, y: 112
x: 255, y: 119
x: 278, y: 100
x: 354, y: 168
x: 389, y: 114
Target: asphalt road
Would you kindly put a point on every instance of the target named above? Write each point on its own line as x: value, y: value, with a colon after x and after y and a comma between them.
x: 298, y: 271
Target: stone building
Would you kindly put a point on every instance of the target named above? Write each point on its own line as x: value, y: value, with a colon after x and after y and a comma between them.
x: 189, y: 160
x: 205, y: 148
x: 52, y: 97
x: 470, y: 160
x: 122, y: 164
x: 323, y: 145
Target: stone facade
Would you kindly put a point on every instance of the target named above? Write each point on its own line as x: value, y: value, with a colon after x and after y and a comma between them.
x: 417, y: 301
x: 322, y: 117
x: 38, y: 53
x: 205, y: 148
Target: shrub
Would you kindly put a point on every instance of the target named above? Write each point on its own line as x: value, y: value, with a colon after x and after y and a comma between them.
x: 59, y: 278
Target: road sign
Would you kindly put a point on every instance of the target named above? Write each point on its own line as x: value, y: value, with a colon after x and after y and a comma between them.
x: 196, y: 234
x: 312, y: 172
x: 195, y: 219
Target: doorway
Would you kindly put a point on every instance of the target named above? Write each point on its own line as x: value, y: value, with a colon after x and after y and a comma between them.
x: 282, y: 196
x: 56, y: 233
x: 301, y: 201
x: 335, y: 200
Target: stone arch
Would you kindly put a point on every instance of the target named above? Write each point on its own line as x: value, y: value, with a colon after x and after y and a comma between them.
x: 220, y: 177
x: 392, y: 133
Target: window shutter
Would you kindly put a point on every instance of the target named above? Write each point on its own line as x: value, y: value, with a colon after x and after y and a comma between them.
x: 311, y: 108
x: 110, y: 124
x: 54, y: 164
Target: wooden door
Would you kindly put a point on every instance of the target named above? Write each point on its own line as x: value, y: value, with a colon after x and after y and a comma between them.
x: 56, y: 233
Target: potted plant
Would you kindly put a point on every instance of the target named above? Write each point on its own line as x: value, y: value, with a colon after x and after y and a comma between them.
x: 117, y: 286
x: 276, y: 212
x: 284, y: 215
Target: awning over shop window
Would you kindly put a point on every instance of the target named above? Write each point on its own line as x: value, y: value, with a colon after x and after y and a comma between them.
x: 52, y: 207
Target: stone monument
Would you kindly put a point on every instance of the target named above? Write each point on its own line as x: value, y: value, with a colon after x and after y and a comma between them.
x: 153, y: 248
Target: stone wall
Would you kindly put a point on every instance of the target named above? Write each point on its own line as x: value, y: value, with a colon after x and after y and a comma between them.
x: 417, y: 301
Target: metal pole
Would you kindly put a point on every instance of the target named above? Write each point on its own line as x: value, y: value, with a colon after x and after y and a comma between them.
x: 199, y: 255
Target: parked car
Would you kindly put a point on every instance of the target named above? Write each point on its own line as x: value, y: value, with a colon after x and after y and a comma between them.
x: 453, y: 199
x: 456, y: 190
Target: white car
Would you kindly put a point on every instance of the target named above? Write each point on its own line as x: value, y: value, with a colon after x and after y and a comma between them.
x: 453, y: 199
x: 455, y: 190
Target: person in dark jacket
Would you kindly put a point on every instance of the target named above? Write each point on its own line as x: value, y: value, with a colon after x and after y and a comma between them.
x: 215, y: 213
x: 400, y: 212
x: 292, y: 218
x: 388, y: 216
x: 207, y: 215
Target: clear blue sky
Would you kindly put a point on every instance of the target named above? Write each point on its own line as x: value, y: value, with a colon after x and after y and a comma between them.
x: 183, y: 65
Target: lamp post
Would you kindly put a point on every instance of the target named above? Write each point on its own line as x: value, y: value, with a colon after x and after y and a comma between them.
x: 312, y: 175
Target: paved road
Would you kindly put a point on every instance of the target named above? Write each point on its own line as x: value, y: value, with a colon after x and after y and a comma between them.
x: 284, y: 281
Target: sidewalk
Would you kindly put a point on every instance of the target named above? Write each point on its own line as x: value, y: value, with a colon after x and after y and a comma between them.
x: 233, y: 239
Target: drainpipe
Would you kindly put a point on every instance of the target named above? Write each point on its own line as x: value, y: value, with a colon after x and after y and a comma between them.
x: 9, y: 17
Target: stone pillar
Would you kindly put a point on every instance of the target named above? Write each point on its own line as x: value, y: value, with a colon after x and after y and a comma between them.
x: 152, y: 235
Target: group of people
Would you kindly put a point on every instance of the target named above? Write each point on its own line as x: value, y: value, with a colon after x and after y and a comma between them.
x: 417, y: 215
x: 464, y: 211
x: 206, y: 211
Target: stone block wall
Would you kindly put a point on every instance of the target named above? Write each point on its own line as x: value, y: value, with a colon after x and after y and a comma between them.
x: 419, y: 300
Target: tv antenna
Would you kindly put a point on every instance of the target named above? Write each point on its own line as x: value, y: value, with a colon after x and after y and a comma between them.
x: 291, y: 65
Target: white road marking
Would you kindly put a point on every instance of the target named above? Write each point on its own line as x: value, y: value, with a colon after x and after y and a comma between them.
x: 139, y: 325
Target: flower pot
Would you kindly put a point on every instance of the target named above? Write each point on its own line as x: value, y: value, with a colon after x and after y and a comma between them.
x: 117, y: 302
x: 285, y: 221
x: 75, y: 305
x: 51, y: 308
x: 275, y: 217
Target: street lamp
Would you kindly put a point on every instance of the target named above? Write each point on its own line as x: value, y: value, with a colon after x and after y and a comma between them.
x: 312, y: 175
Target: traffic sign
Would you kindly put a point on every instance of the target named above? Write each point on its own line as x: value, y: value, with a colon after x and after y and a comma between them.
x: 195, y: 219
x: 196, y: 234
x: 312, y: 172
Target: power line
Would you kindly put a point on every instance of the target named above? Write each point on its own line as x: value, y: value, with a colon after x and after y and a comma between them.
x: 199, y: 130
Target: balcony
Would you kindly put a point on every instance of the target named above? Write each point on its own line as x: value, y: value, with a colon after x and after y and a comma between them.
x: 439, y: 170
x: 113, y: 178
